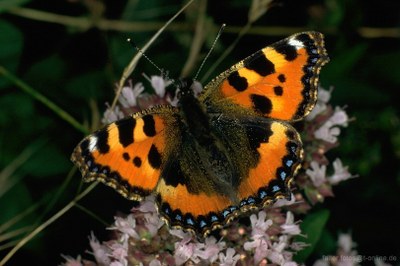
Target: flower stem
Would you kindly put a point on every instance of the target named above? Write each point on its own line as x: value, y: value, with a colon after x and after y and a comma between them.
x: 41, y: 227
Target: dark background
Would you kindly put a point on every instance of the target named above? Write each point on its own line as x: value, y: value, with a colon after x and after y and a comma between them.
x: 77, y: 68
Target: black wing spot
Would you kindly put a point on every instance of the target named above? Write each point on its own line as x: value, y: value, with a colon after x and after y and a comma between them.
x: 125, y: 130
x: 261, y: 104
x: 102, y: 141
x: 137, y: 161
x: 289, y: 51
x: 259, y: 63
x: 282, y: 78
x: 237, y: 82
x: 149, y: 125
x: 126, y: 156
x: 278, y: 90
x: 154, y: 157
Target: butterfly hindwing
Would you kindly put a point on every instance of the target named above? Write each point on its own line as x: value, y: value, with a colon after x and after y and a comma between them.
x: 279, y: 81
x: 127, y: 154
x: 280, y: 153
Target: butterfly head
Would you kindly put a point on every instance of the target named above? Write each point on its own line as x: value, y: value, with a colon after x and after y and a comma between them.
x: 184, y: 87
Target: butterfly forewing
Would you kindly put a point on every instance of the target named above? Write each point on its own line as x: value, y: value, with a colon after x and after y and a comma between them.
x: 279, y: 81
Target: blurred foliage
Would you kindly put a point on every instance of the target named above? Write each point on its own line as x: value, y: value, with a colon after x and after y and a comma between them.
x: 77, y: 67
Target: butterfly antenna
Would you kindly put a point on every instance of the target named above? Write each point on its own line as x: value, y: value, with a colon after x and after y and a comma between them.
x: 163, y: 73
x: 209, y: 52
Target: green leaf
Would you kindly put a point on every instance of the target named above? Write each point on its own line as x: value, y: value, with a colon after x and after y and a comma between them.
x: 47, y: 73
x: 88, y: 85
x: 11, y: 41
x: 50, y: 161
x: 344, y: 61
x: 14, y: 202
x: 312, y: 226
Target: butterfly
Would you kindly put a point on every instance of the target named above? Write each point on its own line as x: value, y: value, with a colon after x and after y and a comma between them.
x: 213, y: 157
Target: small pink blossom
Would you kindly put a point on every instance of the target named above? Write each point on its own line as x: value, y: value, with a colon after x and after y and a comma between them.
x: 184, y: 250
x: 155, y: 262
x: 297, y: 246
x: 230, y: 259
x: 346, y: 243
x: 119, y: 250
x: 160, y: 84
x: 197, y: 88
x: 129, y: 95
x: 329, y: 131
x: 125, y: 225
x: 110, y: 116
x: 317, y: 173
x: 153, y: 222
x: 285, y: 202
x: 260, y: 247
x: 210, y: 250
x: 289, y: 227
x: 147, y: 205
x: 341, y: 173
x: 70, y: 261
x: 339, y: 117
x: 260, y: 225
x: 180, y: 233
x: 118, y: 263
x: 100, y: 252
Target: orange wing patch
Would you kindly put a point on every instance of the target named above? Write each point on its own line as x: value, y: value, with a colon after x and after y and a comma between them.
x: 279, y: 81
x: 280, y: 158
x: 127, y: 154
x: 198, y: 212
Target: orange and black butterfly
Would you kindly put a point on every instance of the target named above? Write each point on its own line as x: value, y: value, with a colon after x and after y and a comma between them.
x: 213, y: 157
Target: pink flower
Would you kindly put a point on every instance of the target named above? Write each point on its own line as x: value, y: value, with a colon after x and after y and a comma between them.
x: 329, y: 130
x: 160, y: 84
x: 125, y: 225
x: 260, y: 247
x: 184, y: 250
x: 260, y: 225
x: 100, y: 252
x: 209, y: 251
x: 297, y: 246
x: 230, y: 259
x: 285, y: 202
x: 289, y: 227
x: 153, y: 222
x: 70, y: 261
x: 147, y: 205
x: 129, y: 95
x: 346, y: 243
x: 317, y: 173
x: 119, y: 251
x: 118, y: 263
x: 197, y: 88
x: 110, y: 116
x: 339, y: 117
x: 340, y: 173
x: 155, y: 262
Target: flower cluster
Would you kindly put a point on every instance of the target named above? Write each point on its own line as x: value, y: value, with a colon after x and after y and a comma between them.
x: 267, y: 238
